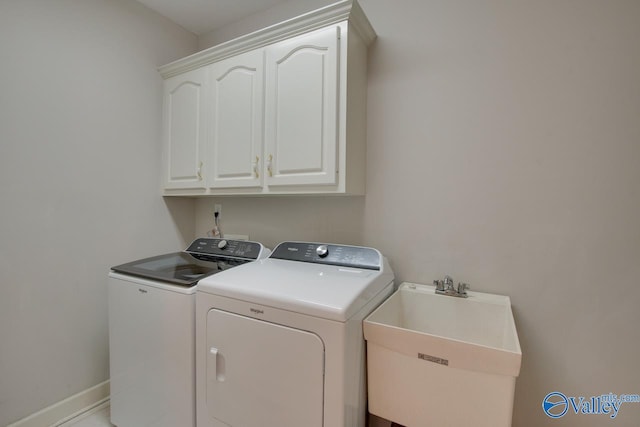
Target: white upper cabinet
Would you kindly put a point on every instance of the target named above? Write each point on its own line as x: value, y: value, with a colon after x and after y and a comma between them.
x: 235, y: 134
x: 279, y: 111
x: 301, y: 114
x: 184, y: 130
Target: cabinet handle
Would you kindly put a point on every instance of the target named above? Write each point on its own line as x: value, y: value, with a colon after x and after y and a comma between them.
x: 199, y: 171
x: 255, y: 167
x: 269, y: 165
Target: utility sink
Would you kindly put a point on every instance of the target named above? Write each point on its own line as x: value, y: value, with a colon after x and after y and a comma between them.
x: 442, y: 360
x: 475, y: 333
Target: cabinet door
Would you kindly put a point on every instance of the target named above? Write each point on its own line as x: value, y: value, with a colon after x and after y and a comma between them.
x: 262, y: 374
x: 301, y: 109
x: 236, y: 121
x: 184, y: 129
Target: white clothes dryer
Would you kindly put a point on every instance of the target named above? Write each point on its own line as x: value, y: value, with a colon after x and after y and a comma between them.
x: 279, y: 341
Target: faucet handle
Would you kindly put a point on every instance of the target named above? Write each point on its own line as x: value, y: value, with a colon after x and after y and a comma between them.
x: 462, y: 288
x: 439, y: 284
x: 448, y: 282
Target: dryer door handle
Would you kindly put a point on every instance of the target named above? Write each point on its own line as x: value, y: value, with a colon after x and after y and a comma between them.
x: 212, y: 363
x: 215, y: 365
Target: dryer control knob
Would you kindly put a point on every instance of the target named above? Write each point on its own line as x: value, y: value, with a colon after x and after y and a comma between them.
x: 322, y: 251
x: 222, y: 244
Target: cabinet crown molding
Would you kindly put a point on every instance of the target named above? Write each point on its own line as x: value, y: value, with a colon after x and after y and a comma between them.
x: 337, y: 12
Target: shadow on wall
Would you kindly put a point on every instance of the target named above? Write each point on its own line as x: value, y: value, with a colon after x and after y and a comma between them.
x: 271, y: 220
x: 182, y: 213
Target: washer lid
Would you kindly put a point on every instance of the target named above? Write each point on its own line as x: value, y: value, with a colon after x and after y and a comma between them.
x: 321, y: 290
x: 179, y: 268
x: 204, y: 257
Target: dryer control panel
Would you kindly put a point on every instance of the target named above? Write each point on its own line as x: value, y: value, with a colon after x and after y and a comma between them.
x: 324, y: 253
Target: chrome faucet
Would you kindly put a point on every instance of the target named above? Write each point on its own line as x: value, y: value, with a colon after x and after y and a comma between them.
x: 445, y: 287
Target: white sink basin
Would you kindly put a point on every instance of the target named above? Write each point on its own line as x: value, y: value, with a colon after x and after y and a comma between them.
x: 427, y: 351
x: 476, y: 333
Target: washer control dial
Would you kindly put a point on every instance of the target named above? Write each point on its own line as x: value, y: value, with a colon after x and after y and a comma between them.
x: 222, y: 244
x: 322, y: 251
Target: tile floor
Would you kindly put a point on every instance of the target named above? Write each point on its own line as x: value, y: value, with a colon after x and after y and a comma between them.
x: 99, y: 418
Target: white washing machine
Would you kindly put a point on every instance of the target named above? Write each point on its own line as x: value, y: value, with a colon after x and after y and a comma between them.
x: 152, y: 331
x: 279, y: 342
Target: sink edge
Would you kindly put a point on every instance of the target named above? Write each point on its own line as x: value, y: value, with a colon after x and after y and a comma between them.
x: 457, y: 354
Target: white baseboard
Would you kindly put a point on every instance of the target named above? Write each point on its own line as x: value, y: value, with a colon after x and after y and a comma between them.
x: 87, y: 412
x: 71, y: 407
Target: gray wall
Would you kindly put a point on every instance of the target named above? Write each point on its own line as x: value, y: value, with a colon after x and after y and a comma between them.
x: 503, y: 149
x: 80, y: 123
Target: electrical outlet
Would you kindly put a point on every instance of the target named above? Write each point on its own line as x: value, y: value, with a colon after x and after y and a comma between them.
x: 217, y: 208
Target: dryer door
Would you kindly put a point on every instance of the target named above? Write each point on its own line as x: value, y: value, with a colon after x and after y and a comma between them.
x: 263, y: 374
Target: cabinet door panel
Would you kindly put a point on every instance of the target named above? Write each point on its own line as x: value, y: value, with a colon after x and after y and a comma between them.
x: 184, y: 132
x: 302, y: 109
x: 236, y: 121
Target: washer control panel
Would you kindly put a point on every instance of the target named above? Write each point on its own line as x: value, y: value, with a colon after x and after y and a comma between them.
x: 225, y: 248
x: 323, y: 253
